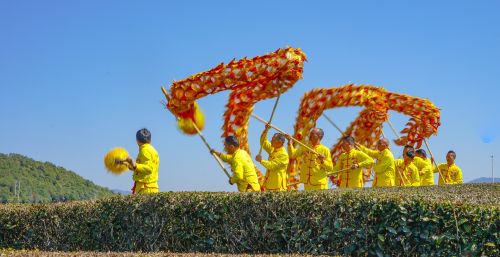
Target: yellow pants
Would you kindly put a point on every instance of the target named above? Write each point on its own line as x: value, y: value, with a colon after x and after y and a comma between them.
x: 146, y: 188
x: 309, y: 187
x: 246, y: 187
x: 253, y: 188
x: 275, y: 190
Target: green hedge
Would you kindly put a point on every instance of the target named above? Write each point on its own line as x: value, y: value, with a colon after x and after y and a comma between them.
x: 24, y: 253
x: 442, y: 221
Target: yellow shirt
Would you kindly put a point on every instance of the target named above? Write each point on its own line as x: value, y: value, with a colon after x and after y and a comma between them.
x: 276, y: 177
x: 406, y: 175
x: 384, y: 168
x: 452, y: 174
x: 425, y: 168
x: 352, y: 178
x: 244, y: 174
x: 312, y: 172
x: 146, y: 172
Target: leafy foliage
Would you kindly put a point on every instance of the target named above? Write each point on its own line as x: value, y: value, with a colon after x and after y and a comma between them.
x: 36, y: 253
x: 42, y: 182
x: 425, y: 221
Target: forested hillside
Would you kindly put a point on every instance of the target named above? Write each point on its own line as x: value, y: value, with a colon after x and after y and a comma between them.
x: 23, y: 179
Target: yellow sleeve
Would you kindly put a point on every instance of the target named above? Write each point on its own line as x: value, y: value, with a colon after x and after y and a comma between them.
x: 438, y: 168
x: 147, y: 166
x: 294, y: 153
x: 415, y: 176
x: 369, y: 152
x: 459, y: 179
x: 266, y: 145
x: 327, y: 163
x: 364, y: 161
x: 419, y: 163
x: 398, y: 164
x: 281, y: 161
x: 336, y: 168
x: 237, y: 167
x: 387, y: 161
x: 226, y: 157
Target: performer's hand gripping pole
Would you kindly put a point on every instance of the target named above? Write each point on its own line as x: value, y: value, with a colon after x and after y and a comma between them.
x: 271, y: 118
x: 284, y: 133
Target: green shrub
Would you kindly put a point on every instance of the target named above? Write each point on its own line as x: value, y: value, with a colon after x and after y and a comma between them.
x: 424, y: 221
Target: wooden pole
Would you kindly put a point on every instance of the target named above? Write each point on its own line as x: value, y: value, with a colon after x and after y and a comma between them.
x: 329, y: 175
x: 165, y: 93
x: 402, y: 175
x: 202, y: 138
x: 392, y: 128
x: 343, y: 134
x: 271, y: 118
x: 281, y: 131
x: 333, y: 124
x: 209, y: 148
x: 383, y: 134
x: 434, y: 161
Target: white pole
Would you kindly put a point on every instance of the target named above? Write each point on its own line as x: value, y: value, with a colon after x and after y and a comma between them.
x: 492, y: 177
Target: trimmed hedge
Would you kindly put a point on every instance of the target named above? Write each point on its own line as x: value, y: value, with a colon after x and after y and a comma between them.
x: 136, y: 254
x: 425, y: 221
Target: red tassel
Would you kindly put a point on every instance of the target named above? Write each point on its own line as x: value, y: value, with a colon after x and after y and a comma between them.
x: 133, y: 188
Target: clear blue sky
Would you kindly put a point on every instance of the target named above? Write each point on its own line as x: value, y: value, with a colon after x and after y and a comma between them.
x: 78, y: 78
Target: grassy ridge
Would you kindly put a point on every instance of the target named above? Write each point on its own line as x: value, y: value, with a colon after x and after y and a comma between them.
x: 450, y: 220
x: 25, y: 180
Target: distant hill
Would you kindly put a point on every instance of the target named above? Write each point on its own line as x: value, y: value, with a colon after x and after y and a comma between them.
x: 484, y: 180
x: 25, y: 180
x: 121, y: 192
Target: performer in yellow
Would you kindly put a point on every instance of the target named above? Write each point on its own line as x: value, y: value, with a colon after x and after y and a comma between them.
x: 276, y: 177
x: 350, y: 164
x: 313, y: 167
x: 384, y: 167
x: 424, y: 166
x: 451, y: 172
x: 408, y: 148
x: 406, y: 171
x: 146, y: 165
x: 244, y: 174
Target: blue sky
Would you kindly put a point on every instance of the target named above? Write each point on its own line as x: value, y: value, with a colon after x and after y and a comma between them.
x: 78, y: 78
